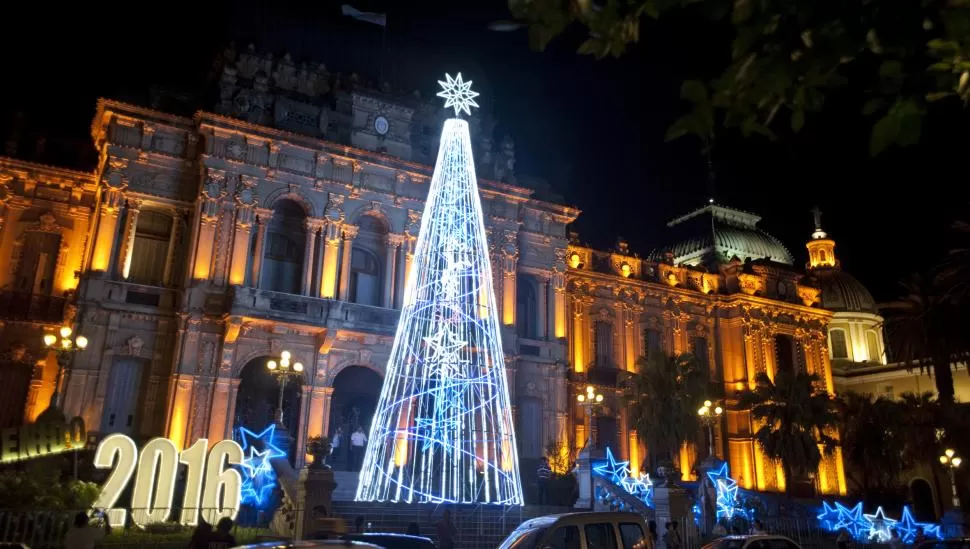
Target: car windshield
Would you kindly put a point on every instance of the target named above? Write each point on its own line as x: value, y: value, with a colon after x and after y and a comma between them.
x: 523, y: 538
x: 725, y: 543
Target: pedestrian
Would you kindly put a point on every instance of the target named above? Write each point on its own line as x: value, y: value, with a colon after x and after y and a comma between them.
x: 895, y: 542
x: 200, y: 536
x: 221, y: 537
x: 82, y: 535
x: 543, y: 474
x: 920, y: 537
x: 446, y: 531
x: 335, y: 441
x: 672, y: 539
x: 357, y: 442
x: 843, y: 539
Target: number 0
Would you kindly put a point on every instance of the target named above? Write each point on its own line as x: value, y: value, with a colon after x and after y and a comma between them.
x: 151, y: 503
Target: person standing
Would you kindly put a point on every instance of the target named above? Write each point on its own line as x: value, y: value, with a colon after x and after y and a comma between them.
x: 221, y: 537
x: 82, y: 535
x: 446, y: 531
x: 672, y: 538
x: 543, y: 474
x: 335, y: 441
x: 357, y: 442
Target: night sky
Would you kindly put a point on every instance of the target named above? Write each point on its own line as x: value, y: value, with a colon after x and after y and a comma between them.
x: 593, y: 128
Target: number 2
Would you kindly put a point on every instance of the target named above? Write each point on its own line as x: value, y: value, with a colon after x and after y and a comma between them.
x: 123, y: 447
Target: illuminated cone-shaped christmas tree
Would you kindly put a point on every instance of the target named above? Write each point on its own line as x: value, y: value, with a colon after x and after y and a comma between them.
x: 443, y: 427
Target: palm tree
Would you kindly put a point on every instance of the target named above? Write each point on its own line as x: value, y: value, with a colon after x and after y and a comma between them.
x: 873, y: 439
x: 664, y: 396
x: 923, y: 417
x: 796, y: 416
x: 926, y: 330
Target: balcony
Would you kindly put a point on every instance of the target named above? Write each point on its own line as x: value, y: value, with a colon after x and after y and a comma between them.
x: 31, y: 307
x: 601, y: 375
x: 300, y: 309
x: 120, y: 294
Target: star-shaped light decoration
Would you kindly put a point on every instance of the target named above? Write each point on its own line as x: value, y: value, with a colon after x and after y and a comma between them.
x: 258, y: 474
x: 614, y: 470
x: 727, y: 491
x: 458, y: 94
x: 644, y: 489
x: 831, y: 516
x: 853, y: 521
x: 880, y: 525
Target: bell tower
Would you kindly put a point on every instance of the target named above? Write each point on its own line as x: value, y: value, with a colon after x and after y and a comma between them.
x: 821, y: 248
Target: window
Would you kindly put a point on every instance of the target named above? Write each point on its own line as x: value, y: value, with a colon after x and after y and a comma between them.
x: 525, y: 307
x: 600, y: 536
x: 651, y: 342
x: 285, y: 244
x: 604, y: 344
x: 632, y: 535
x: 365, y: 276
x: 872, y: 343
x: 840, y: 347
x: 150, y: 251
x: 698, y: 346
x: 38, y: 262
x: 784, y: 354
x: 564, y: 537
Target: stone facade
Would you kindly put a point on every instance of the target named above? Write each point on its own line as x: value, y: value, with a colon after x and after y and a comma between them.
x: 202, y: 247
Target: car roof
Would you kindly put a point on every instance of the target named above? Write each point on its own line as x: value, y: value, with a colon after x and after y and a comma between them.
x: 753, y: 536
x: 307, y: 544
x: 548, y: 520
x: 385, y: 535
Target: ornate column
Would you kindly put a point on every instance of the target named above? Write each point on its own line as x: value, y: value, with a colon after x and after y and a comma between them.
x: 173, y: 238
x: 263, y: 215
x: 629, y: 340
x: 579, y: 336
x: 318, y: 423
x: 402, y: 270
x: 411, y: 231
x: 331, y: 252
x: 128, y: 241
x: 510, y: 260
x: 542, y: 308
x: 557, y: 314
x: 209, y: 205
x: 394, y: 242
x: 245, y: 216
x: 115, y: 181
x: 180, y: 402
x: 312, y: 228
x: 349, y: 232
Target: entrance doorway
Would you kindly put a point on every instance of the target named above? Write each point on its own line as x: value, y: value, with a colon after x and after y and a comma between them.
x: 258, y: 397
x: 355, y: 393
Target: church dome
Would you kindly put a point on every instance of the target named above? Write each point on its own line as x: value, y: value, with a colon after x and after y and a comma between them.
x: 842, y: 292
x: 717, y: 233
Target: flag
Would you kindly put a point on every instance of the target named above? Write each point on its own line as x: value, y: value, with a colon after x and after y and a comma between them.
x: 366, y: 16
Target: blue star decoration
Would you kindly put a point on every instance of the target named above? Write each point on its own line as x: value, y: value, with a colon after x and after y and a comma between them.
x: 908, y: 525
x: 880, y: 525
x: 614, y: 470
x: 259, y: 478
x: 831, y: 516
x: 458, y: 94
x: 727, y: 491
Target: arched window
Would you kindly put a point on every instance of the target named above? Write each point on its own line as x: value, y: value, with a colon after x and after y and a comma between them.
x: 149, y: 253
x: 652, y: 342
x: 525, y: 305
x: 840, y: 346
x: 284, y: 248
x: 822, y: 256
x: 365, y: 278
x: 604, y: 344
x: 38, y: 262
x: 700, y: 351
x: 784, y: 353
x: 872, y: 344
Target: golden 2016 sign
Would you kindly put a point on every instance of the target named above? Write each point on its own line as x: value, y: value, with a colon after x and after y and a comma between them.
x: 211, y: 486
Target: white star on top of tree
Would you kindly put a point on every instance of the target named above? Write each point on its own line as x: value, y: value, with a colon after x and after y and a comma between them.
x: 458, y: 94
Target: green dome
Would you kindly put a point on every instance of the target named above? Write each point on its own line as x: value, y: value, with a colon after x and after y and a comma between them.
x: 842, y: 292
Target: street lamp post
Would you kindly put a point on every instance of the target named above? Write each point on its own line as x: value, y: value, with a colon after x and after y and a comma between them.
x: 282, y: 370
x: 589, y: 400
x: 64, y: 348
x: 952, y: 461
x: 710, y: 415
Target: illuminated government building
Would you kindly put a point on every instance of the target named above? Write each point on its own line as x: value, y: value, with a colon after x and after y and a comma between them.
x: 285, y: 219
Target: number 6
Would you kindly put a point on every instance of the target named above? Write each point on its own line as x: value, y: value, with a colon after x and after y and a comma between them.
x: 222, y: 483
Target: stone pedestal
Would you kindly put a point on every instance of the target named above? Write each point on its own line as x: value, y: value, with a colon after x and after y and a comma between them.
x: 584, y: 478
x: 314, y: 503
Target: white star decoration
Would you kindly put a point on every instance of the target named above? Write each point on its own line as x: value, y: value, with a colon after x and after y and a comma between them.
x: 458, y: 94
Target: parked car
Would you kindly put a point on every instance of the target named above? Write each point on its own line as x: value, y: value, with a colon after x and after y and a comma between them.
x: 956, y: 543
x: 392, y: 541
x: 753, y: 541
x: 319, y: 544
x: 578, y: 530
